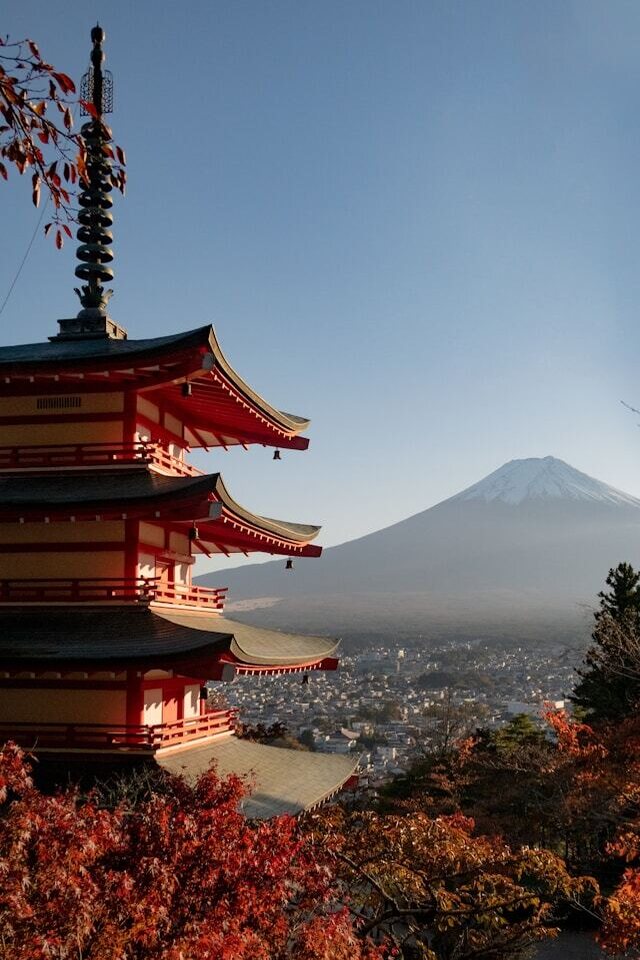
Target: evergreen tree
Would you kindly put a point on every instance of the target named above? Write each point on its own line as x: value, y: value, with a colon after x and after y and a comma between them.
x: 624, y: 596
x: 609, y: 684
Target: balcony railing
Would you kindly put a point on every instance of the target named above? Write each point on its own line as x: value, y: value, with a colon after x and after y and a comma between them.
x: 108, y: 736
x: 177, y: 594
x: 134, y: 453
x: 109, y: 590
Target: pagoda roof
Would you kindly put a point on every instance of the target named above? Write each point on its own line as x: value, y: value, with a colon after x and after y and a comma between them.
x: 140, y: 636
x: 99, y: 348
x: 282, y: 781
x: 223, y: 525
x: 222, y: 405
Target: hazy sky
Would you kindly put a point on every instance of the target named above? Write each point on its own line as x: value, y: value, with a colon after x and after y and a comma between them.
x: 416, y: 223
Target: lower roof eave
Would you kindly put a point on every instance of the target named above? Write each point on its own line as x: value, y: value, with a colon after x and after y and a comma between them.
x: 281, y: 780
x: 228, y: 665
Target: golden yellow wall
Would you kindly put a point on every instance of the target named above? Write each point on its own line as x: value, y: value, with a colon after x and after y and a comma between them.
x: 41, y: 434
x: 63, y: 706
x: 179, y: 543
x: 25, y: 566
x: 42, y: 406
x: 173, y: 424
x: 152, y: 534
x: 148, y: 409
x: 48, y: 432
x: 112, y: 530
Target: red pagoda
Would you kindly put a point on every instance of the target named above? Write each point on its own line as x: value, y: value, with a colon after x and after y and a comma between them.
x: 106, y: 645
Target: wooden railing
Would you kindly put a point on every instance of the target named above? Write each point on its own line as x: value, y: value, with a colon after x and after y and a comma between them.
x: 107, y: 736
x: 109, y: 590
x: 94, y: 455
x: 177, y: 594
x: 194, y: 728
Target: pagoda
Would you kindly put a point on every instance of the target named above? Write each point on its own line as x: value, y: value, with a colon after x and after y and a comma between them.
x: 106, y: 644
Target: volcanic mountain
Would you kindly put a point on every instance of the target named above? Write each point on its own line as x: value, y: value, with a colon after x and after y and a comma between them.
x: 530, y: 543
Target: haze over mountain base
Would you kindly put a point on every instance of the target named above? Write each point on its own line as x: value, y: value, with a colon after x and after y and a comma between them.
x: 523, y: 553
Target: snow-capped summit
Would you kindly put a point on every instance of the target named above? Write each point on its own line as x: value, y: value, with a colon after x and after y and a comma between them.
x: 531, y: 543
x: 543, y: 478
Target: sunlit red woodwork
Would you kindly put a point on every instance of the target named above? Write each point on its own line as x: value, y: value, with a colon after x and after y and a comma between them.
x: 106, y: 644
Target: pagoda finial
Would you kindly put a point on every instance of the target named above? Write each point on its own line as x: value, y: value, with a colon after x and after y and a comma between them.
x: 96, y: 220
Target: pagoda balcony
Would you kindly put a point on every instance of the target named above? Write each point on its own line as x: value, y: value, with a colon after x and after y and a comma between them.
x: 110, y: 590
x: 95, y: 455
x: 130, y: 738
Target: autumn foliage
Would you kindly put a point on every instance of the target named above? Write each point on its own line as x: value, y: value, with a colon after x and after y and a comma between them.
x: 37, y: 104
x: 606, y: 784
x: 177, y: 875
x: 435, y: 884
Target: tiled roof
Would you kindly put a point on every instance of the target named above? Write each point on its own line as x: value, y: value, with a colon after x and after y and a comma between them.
x: 99, y: 348
x: 284, y: 781
x: 106, y: 490
x: 138, y: 634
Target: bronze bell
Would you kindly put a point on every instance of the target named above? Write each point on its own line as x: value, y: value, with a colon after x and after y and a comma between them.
x: 186, y: 389
x: 289, y: 564
x: 276, y: 455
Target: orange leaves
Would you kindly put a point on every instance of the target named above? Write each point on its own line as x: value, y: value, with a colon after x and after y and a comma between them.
x: 167, y: 872
x: 90, y: 108
x: 65, y: 83
x: 620, y: 932
x: 28, y: 87
x: 451, y: 888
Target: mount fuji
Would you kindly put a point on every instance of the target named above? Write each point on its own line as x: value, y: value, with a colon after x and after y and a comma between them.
x: 524, y: 551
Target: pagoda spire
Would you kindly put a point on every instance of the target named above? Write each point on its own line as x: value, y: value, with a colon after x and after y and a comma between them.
x: 95, y: 200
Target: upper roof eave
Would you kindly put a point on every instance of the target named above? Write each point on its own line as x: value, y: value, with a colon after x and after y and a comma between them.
x: 105, y: 493
x: 108, y: 353
x: 290, y: 421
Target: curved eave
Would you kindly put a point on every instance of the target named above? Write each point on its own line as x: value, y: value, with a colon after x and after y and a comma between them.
x: 158, y: 364
x: 222, y: 523
x: 241, y: 668
x: 283, y: 781
x: 238, y: 528
x: 260, y: 650
x: 191, y: 643
x: 223, y: 410
x: 288, y: 421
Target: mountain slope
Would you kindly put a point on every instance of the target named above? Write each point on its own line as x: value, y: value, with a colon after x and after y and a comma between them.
x: 534, y: 536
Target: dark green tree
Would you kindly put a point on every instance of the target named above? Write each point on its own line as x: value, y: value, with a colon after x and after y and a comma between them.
x: 623, y: 597
x: 608, y: 688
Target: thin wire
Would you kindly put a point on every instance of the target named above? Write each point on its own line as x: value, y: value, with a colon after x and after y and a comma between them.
x: 24, y: 259
x: 33, y: 237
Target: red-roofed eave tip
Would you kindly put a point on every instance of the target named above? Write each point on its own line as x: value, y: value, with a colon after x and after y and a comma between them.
x: 253, y: 669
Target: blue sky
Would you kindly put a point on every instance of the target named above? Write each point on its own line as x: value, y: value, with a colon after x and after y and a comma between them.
x: 414, y: 222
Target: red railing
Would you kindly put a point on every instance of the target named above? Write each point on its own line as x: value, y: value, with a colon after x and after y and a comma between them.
x: 107, y: 736
x: 94, y: 455
x: 109, y: 590
x: 194, y: 728
x: 177, y: 594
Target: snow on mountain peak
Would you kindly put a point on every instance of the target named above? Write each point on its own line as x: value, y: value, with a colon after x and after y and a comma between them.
x: 543, y: 478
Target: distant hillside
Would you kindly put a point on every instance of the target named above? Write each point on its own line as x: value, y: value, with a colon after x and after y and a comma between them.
x: 525, y: 551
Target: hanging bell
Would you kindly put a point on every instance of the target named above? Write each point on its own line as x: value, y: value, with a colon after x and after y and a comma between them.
x: 289, y: 564
x: 194, y: 533
x: 276, y: 455
x: 187, y: 389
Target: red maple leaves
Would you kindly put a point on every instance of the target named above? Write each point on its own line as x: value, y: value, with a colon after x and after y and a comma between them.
x: 175, y: 875
x: 31, y: 91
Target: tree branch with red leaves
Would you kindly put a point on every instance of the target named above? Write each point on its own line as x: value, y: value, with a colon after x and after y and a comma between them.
x: 37, y: 104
